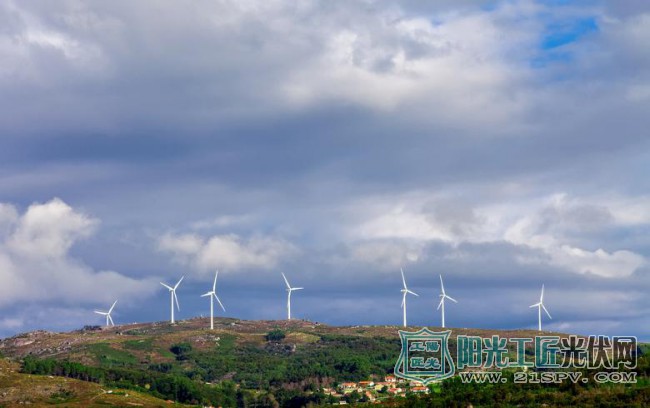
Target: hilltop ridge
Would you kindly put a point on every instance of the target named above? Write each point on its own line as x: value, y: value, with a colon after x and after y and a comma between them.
x: 53, y: 344
x: 263, y: 363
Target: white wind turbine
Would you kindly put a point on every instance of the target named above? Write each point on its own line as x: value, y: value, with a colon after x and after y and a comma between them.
x: 213, y: 295
x: 109, y: 319
x: 443, y: 295
x: 172, y: 292
x: 540, y: 306
x: 405, y: 290
x: 289, y: 290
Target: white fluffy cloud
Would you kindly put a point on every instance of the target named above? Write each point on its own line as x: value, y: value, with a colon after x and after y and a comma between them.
x: 36, y: 266
x: 383, y: 254
x: 388, y: 60
x: 229, y: 251
x: 468, y: 67
x: 554, y: 225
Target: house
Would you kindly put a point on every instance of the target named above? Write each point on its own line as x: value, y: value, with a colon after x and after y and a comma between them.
x: 366, y: 384
x: 370, y: 396
x: 420, y: 388
x: 390, y: 379
x: 381, y: 384
x: 394, y: 391
x: 332, y: 392
x: 348, y: 385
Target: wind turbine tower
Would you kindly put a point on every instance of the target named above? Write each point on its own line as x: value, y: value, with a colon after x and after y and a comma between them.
x: 405, y: 291
x: 172, y: 292
x: 213, y: 295
x: 109, y: 319
x: 444, y: 296
x: 540, y: 305
x: 289, y: 290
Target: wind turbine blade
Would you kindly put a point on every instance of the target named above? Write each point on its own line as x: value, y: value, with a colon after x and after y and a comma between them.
x: 547, y: 313
x: 442, y: 300
x: 167, y: 286
x: 451, y: 298
x: 541, y: 298
x: 176, y: 299
x: 403, y: 299
x: 403, y: 280
x: 111, y: 309
x: 214, y: 285
x: 207, y: 294
x: 297, y: 288
x: 179, y: 282
x: 220, y: 304
x: 535, y: 305
x: 111, y: 320
x: 101, y: 313
x: 286, y: 281
x: 412, y: 293
x: 442, y: 285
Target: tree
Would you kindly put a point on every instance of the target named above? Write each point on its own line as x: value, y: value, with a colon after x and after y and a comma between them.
x: 275, y: 335
x: 181, y: 350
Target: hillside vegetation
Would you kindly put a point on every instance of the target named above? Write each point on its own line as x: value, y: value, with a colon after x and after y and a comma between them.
x: 37, y: 390
x: 257, y: 363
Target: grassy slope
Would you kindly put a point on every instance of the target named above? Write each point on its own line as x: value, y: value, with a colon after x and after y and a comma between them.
x: 149, y: 343
x: 235, y: 350
x: 220, y: 354
x: 140, y: 346
x: 36, y: 390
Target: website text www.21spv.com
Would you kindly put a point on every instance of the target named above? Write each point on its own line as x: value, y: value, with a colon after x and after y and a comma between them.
x: 426, y: 358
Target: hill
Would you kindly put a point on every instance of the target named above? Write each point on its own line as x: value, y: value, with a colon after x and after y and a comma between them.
x: 38, y: 390
x: 240, y: 363
x: 151, y: 342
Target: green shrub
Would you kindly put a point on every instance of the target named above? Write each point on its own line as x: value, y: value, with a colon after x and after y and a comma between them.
x: 181, y: 350
x: 275, y: 335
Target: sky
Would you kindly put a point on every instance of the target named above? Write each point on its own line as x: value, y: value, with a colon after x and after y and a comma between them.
x: 500, y: 144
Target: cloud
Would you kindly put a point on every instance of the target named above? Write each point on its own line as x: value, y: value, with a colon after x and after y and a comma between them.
x: 222, y: 221
x: 393, y: 62
x: 228, y: 252
x: 613, y: 265
x: 49, y: 230
x: 551, y: 225
x: 550, y: 229
x: 10, y: 323
x: 419, y: 216
x: 35, y: 260
x: 375, y: 56
x: 358, y: 136
x: 383, y: 254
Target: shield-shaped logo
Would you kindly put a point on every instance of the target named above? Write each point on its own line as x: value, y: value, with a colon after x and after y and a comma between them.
x: 425, y: 356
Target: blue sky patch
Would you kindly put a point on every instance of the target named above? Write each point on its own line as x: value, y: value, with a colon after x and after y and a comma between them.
x: 560, y: 33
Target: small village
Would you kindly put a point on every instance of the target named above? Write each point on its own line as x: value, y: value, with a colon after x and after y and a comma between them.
x: 374, y: 391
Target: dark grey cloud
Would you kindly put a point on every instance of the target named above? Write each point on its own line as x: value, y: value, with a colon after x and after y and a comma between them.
x: 365, y: 135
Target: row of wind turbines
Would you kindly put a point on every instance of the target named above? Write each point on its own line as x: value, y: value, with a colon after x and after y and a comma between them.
x: 443, y: 295
x: 405, y: 291
x: 212, y: 294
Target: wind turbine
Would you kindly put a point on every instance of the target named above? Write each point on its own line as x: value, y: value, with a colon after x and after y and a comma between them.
x: 172, y: 291
x: 443, y: 295
x: 405, y: 290
x: 108, y: 315
x: 213, y: 295
x: 289, y: 290
x: 540, y: 306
